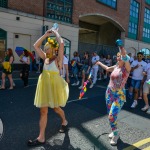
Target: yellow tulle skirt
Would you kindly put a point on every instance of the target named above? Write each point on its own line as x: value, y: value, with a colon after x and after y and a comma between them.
x: 52, y: 90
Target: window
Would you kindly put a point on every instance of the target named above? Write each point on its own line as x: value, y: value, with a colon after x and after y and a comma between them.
x: 133, y: 22
x: 111, y: 3
x: 3, y: 3
x: 146, y: 27
x: 60, y: 10
x: 147, y: 2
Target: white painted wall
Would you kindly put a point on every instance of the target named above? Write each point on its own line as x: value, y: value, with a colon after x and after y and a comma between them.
x: 135, y: 46
x: 29, y: 29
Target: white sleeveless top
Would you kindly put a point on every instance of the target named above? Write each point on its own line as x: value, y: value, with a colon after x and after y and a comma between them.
x: 51, y: 67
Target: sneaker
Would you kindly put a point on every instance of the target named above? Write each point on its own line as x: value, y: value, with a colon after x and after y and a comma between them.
x: 148, y: 112
x: 77, y: 83
x: 14, y: 84
x: 80, y: 87
x: 134, y: 104
x: 145, y: 108
x: 114, y: 140
x: 140, y: 97
x: 111, y: 135
x: 91, y: 85
x: 74, y: 84
x: 26, y: 86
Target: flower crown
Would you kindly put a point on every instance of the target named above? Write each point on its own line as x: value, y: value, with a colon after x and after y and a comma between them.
x: 53, y: 43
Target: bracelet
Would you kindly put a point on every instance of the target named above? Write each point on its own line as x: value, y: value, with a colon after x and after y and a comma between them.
x: 125, y: 58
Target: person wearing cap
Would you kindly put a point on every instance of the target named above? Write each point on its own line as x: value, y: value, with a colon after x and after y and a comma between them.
x: 95, y: 59
x: 115, y: 93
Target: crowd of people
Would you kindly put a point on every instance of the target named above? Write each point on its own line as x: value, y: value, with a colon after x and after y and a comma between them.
x: 52, y: 89
x: 137, y: 82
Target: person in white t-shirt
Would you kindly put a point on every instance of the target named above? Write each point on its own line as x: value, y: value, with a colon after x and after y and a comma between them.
x: 137, y: 77
x: 131, y: 58
x: 95, y: 59
x: 146, y: 88
x: 64, y: 72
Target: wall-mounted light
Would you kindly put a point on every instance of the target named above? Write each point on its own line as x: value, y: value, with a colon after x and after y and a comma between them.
x: 16, y: 36
x: 17, y: 18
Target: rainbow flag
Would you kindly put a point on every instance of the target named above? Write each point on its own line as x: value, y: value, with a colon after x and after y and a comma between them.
x: 73, y: 63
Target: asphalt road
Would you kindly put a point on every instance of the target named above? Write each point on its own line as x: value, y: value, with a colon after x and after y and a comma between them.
x: 88, y: 123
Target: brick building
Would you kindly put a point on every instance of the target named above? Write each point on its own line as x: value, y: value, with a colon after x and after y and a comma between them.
x: 85, y: 25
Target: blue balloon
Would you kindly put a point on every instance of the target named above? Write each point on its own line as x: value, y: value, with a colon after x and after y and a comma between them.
x: 119, y: 42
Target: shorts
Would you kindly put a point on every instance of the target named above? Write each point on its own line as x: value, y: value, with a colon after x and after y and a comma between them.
x: 146, y: 88
x: 135, y: 84
x: 85, y: 68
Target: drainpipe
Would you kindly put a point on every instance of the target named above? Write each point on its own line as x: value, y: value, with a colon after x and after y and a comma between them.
x: 43, y: 11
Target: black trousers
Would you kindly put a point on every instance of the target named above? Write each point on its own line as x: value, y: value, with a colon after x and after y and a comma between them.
x: 25, y: 74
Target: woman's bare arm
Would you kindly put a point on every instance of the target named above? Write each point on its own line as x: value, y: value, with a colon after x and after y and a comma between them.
x: 110, y: 69
x: 61, y: 49
x: 38, y: 43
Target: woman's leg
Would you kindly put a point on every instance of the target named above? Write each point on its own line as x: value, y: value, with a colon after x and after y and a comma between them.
x: 146, y: 99
x: 113, y: 114
x: 61, y: 114
x: 26, y: 76
x: 42, y: 123
x: 83, y: 77
x: 3, y: 80
x: 11, y: 81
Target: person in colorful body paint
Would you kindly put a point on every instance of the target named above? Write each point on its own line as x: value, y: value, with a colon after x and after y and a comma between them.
x: 115, y: 93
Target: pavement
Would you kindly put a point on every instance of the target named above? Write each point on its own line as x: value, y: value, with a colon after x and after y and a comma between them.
x: 88, y: 123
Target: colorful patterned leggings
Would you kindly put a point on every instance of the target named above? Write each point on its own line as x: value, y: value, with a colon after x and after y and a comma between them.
x: 114, y: 101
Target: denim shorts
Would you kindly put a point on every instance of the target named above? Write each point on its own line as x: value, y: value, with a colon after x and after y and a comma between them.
x: 136, y: 84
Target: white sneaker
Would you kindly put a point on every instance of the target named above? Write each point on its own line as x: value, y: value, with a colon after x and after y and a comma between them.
x: 145, y: 108
x: 80, y: 87
x: 74, y: 84
x: 134, y: 104
x: 14, y: 84
x: 148, y: 112
x: 111, y: 135
x: 114, y: 140
x: 91, y: 85
x: 77, y: 83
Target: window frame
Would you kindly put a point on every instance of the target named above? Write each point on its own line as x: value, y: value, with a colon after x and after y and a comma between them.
x: 110, y: 6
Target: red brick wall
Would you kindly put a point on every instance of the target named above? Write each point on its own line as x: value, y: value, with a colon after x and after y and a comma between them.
x: 83, y: 7
x: 120, y: 15
x: 28, y: 6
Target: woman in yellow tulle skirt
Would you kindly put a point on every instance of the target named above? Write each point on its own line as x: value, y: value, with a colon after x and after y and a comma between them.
x: 52, y: 90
